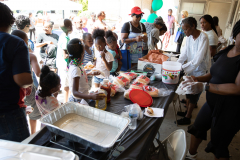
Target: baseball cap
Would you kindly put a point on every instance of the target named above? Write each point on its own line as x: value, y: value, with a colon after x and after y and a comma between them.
x: 136, y: 10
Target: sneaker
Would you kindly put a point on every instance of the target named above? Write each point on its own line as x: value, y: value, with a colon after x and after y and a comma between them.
x: 182, y: 114
x: 191, y: 157
x: 184, y: 121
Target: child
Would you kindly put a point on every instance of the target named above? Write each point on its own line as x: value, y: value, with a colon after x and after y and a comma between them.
x: 29, y: 100
x: 78, y: 82
x: 104, y: 58
x: 118, y: 52
x: 62, y: 56
x: 46, y: 97
x: 111, y: 47
x: 88, y: 53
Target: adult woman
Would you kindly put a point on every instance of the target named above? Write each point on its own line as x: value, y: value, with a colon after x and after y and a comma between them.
x: 219, y: 30
x: 196, y: 53
x: 133, y: 34
x: 99, y: 22
x: 153, y: 33
x: 91, y: 21
x: 182, y: 35
x: 208, y: 27
x: 221, y: 111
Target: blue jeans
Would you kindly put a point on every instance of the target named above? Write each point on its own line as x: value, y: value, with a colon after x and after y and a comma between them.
x: 13, y: 125
x: 97, y: 80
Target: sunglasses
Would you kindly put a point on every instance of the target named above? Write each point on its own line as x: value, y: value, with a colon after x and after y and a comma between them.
x: 138, y: 15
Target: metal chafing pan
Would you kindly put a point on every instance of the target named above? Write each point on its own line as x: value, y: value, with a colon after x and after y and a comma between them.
x: 87, y: 125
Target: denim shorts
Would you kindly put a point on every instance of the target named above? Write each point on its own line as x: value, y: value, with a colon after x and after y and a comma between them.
x: 13, y: 125
x: 97, y: 80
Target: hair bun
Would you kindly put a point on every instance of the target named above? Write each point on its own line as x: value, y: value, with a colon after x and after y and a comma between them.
x: 45, y: 70
x: 109, y: 33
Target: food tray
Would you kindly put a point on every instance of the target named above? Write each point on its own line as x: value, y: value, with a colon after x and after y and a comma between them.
x: 86, y: 125
x: 17, y: 151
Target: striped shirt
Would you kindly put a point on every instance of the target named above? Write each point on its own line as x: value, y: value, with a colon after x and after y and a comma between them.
x: 88, y: 57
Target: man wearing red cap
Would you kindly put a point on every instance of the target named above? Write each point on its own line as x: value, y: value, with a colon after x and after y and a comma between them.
x: 133, y: 35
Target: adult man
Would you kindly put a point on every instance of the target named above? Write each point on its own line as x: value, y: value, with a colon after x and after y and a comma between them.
x: 32, y: 27
x: 23, y: 24
x: 77, y: 28
x: 45, y: 39
x: 170, y: 26
x: 15, y: 75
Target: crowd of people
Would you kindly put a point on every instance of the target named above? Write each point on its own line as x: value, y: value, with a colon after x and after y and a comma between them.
x: 62, y: 61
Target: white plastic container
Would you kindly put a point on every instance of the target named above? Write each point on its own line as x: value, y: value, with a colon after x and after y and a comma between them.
x: 171, y: 72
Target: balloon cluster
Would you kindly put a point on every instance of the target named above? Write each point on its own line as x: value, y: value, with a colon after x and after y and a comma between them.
x: 156, y: 5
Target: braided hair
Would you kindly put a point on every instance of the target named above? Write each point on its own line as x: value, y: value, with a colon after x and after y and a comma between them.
x: 6, y: 16
x: 236, y: 29
x: 110, y: 37
x: 48, y: 80
x: 75, y: 48
x: 98, y: 34
x: 209, y: 19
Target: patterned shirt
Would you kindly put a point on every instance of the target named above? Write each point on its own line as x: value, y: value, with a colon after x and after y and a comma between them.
x: 88, y: 57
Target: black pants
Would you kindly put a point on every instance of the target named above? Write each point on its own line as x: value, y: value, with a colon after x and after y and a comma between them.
x: 179, y: 47
x: 32, y: 31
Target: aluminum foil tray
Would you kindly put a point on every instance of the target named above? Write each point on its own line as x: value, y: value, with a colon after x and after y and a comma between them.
x: 86, y: 125
x: 18, y: 151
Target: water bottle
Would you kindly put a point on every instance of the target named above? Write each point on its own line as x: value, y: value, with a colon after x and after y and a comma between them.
x: 133, y: 115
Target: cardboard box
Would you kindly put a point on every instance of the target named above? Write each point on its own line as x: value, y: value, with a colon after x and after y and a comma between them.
x: 150, y: 67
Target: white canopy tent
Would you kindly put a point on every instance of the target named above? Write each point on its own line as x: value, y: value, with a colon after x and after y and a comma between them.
x: 42, y: 5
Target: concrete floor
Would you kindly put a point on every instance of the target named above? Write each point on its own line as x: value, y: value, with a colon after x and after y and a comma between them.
x: 169, y: 126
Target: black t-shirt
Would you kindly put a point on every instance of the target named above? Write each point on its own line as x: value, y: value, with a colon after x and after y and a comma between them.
x: 126, y: 28
x: 42, y: 37
x: 224, y: 70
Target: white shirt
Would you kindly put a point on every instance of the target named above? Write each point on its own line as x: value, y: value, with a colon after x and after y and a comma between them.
x: 212, y: 37
x: 77, y: 33
x: 75, y: 71
x: 197, y: 54
x: 100, y: 65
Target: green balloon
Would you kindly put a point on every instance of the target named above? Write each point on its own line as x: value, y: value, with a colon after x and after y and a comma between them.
x: 151, y: 18
x: 143, y: 20
x: 157, y: 4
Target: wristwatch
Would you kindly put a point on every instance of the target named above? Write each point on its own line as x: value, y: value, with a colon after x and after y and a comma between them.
x: 207, y: 87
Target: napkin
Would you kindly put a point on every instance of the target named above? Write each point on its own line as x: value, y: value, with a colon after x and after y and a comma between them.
x: 157, y: 112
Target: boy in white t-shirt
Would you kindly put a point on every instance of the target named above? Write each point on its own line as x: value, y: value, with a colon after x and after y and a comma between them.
x: 77, y: 77
x: 104, y: 58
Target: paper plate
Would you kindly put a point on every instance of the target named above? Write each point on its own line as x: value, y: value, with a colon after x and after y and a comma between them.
x: 143, y: 99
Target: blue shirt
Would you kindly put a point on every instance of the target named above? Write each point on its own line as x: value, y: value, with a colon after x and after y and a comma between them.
x: 14, y: 59
x: 31, y: 44
x: 115, y: 62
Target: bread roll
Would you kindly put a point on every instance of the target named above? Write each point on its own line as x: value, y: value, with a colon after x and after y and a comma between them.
x: 129, y: 75
x: 149, y: 110
x: 143, y: 79
x: 121, y: 80
x: 152, y: 91
x: 137, y: 85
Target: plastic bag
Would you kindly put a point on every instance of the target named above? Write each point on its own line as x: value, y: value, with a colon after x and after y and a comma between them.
x: 122, y: 81
x: 126, y: 94
x: 89, y: 66
x: 115, y: 89
x: 94, y: 70
x: 155, y: 92
x: 143, y: 79
x: 129, y: 75
x: 140, y: 112
x: 137, y: 85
